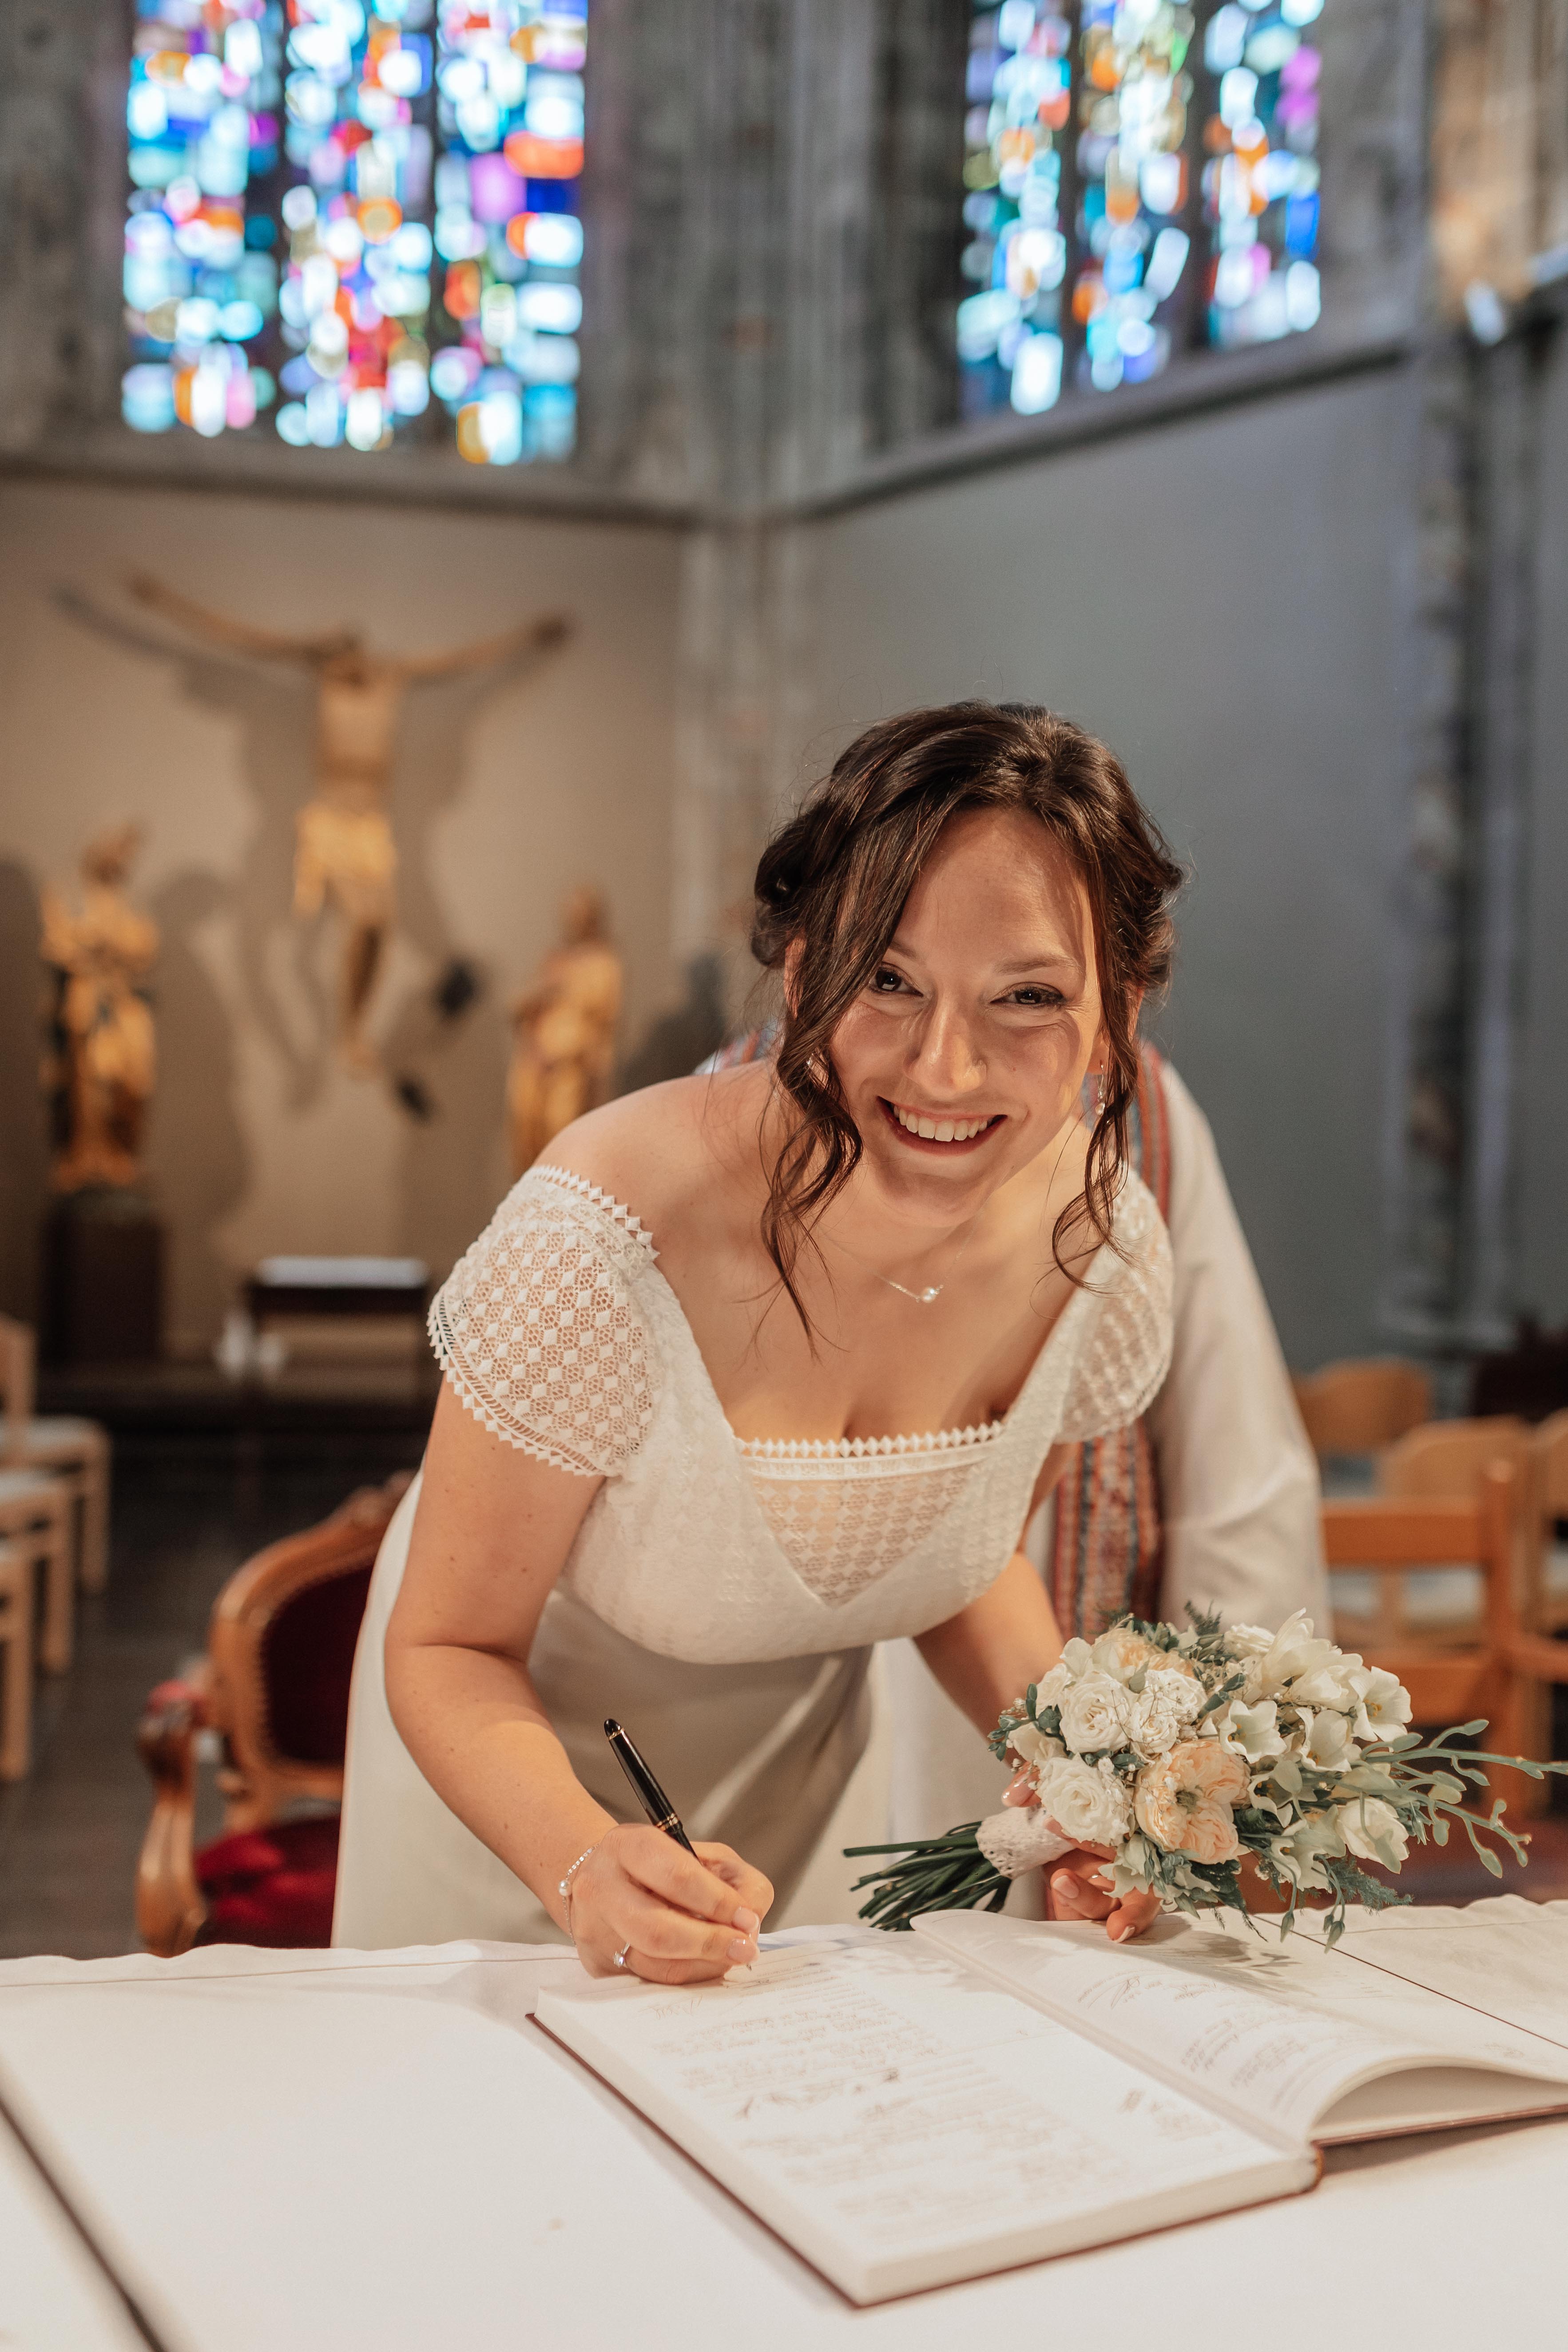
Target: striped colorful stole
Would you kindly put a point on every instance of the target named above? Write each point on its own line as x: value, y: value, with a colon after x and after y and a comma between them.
x: 1108, y: 1550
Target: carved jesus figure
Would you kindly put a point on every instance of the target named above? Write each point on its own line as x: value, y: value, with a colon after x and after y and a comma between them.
x: 344, y: 854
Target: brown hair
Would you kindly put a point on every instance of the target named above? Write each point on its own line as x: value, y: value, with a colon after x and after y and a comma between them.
x: 835, y: 879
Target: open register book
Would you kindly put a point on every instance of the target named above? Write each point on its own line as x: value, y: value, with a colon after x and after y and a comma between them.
x: 906, y: 2111
x: 1290, y: 2039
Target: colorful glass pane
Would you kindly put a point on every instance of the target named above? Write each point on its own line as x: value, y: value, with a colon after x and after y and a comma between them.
x: 1133, y: 189
x: 339, y: 209
x: 1261, y: 171
x: 1128, y: 294
x: 1017, y: 134
x: 509, y: 228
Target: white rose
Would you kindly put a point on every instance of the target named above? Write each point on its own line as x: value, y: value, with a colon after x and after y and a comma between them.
x: 1254, y: 1730
x: 1374, y: 1831
x: 1167, y: 1704
x: 1095, y: 1714
x: 1384, y: 1709
x: 1090, y: 1806
x: 1049, y: 1688
x: 1077, y: 1657
x: 1033, y: 1747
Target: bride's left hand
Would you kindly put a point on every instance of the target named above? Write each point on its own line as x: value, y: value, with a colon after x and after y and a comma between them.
x: 1077, y: 1889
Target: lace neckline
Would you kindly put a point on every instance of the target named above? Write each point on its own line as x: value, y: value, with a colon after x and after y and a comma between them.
x: 855, y: 1449
x: 929, y: 1444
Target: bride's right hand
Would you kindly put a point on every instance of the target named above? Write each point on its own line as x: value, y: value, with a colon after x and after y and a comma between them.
x: 679, y: 1921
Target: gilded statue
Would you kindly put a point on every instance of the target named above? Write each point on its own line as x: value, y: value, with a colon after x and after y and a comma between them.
x: 99, y: 1075
x: 564, y: 1027
x: 345, y: 854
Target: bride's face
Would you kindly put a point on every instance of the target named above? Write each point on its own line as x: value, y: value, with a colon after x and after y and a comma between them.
x: 964, y: 1057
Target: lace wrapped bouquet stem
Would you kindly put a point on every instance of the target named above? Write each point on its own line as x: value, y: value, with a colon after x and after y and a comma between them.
x: 1188, y: 1753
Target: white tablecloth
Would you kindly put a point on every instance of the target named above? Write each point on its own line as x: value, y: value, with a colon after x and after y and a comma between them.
x: 319, y: 2152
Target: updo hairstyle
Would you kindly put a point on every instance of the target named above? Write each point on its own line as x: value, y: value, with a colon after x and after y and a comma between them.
x: 836, y: 879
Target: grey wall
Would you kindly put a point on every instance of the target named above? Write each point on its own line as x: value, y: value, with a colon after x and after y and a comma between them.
x: 1217, y: 600
x: 1542, y: 1117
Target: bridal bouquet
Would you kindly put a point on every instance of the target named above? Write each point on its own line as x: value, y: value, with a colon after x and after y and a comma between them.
x: 1185, y: 1753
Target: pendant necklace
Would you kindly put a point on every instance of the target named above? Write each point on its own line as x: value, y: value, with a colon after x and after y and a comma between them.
x: 932, y: 1291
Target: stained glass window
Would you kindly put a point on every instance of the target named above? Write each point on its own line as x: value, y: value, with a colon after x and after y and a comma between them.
x: 1260, y: 172
x: 357, y: 223
x: 1141, y: 179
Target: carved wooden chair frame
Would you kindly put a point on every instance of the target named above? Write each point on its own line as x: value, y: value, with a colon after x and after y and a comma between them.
x: 228, y: 1696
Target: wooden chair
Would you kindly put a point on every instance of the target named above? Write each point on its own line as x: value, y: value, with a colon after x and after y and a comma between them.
x: 1536, y: 1658
x: 1363, y: 1403
x: 1446, y: 1461
x: 17, y: 1678
x: 36, y: 1511
x: 1443, y: 1460
x: 76, y: 1452
x: 1481, y: 1675
x: 1547, y: 1612
x: 275, y: 1688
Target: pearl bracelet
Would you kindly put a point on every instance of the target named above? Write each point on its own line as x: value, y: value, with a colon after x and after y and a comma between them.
x: 564, y: 1888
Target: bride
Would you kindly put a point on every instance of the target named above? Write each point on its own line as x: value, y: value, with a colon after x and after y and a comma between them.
x: 764, y: 1368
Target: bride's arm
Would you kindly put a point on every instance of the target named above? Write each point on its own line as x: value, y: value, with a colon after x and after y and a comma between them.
x: 986, y: 1657
x: 491, y: 1535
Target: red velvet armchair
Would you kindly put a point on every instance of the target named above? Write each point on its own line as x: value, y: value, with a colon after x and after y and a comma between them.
x: 275, y: 1688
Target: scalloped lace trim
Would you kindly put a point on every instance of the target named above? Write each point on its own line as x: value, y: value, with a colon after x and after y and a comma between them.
x: 568, y: 1182
x: 777, y: 1451
x: 507, y: 1431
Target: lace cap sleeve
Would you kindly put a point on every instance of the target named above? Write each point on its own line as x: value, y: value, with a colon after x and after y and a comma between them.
x: 539, y: 1330
x: 1128, y: 1351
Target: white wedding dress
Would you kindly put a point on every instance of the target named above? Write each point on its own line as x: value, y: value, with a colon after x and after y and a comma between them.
x: 722, y: 1597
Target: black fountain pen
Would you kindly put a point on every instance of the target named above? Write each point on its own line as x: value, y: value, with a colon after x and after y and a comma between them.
x: 645, y: 1788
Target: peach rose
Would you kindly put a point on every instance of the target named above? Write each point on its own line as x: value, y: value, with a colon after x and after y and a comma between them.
x: 1184, y: 1802
x: 1122, y: 1652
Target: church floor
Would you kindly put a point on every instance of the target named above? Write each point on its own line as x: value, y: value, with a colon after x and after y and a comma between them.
x: 187, y: 1511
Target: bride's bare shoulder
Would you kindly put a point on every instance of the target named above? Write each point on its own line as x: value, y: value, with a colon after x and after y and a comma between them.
x: 659, y: 1150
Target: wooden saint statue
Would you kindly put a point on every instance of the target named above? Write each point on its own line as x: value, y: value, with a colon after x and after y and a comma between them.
x: 563, y: 1032
x: 99, y: 1075
x: 344, y: 854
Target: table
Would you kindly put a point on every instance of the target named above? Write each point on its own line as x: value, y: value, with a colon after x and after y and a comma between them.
x: 330, y: 2151
x: 338, y: 1285
x: 317, y: 1288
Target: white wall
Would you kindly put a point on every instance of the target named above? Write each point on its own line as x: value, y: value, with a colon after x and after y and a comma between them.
x: 1216, y: 600
x: 509, y: 790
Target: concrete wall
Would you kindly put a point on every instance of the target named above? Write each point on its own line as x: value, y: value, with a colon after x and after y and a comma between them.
x: 1217, y: 600
x: 509, y: 789
x: 1542, y: 1099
